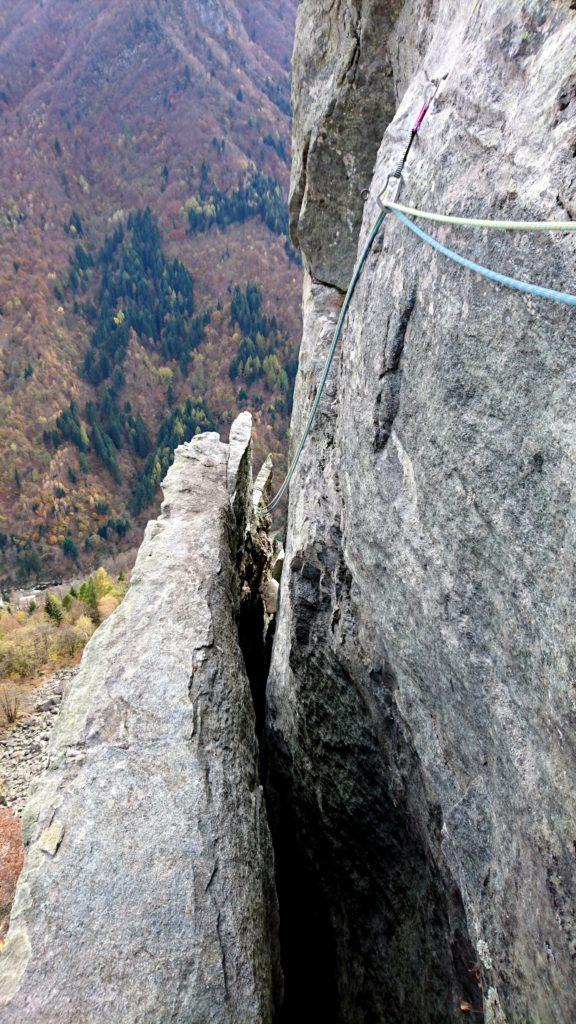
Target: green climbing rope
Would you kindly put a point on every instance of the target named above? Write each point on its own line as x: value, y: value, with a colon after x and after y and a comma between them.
x: 329, y: 358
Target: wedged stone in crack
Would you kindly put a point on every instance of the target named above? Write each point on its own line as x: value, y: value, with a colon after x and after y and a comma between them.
x: 270, y: 589
x: 263, y: 485
x: 239, y: 442
x: 277, y: 562
x: 147, y: 894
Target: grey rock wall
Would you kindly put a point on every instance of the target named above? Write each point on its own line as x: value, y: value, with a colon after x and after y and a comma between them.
x: 147, y: 893
x: 421, y: 698
x: 342, y: 98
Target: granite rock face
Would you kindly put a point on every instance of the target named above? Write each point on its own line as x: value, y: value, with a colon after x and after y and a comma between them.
x: 421, y: 711
x: 11, y: 860
x: 148, y: 893
x: 342, y: 98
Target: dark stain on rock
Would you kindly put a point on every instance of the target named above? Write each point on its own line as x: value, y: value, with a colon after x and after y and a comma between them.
x: 388, y: 398
x: 364, y: 893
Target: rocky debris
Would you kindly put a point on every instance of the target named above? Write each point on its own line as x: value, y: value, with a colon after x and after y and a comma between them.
x: 11, y: 861
x: 147, y: 893
x: 24, y: 746
x: 421, y: 724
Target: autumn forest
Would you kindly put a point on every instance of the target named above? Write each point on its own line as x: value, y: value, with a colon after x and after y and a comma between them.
x: 148, y: 286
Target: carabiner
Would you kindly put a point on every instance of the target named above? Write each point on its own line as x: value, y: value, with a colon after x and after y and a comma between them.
x: 390, y: 193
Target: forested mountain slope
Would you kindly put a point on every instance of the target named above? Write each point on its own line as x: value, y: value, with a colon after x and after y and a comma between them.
x: 143, y: 167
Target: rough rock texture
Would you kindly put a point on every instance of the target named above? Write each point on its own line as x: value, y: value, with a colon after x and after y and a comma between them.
x: 421, y: 722
x: 342, y: 98
x: 24, y: 748
x: 147, y: 893
x: 11, y: 860
x: 23, y: 757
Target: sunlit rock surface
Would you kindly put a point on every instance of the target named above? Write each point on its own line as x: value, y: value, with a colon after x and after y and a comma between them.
x: 421, y: 701
x: 147, y: 893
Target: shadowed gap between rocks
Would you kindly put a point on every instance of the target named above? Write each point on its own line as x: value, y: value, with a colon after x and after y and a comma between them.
x: 372, y: 930
x: 256, y: 645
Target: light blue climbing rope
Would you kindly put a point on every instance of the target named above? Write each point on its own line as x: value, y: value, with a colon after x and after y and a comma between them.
x: 348, y: 298
x: 388, y: 203
x: 492, y: 275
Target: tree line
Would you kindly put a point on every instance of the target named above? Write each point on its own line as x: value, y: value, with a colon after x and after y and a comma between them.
x: 259, y: 349
x: 141, y: 292
x: 259, y: 196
